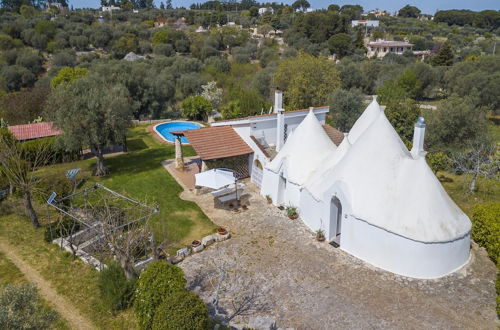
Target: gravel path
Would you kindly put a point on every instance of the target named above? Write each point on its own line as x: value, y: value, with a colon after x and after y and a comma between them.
x: 67, y: 311
x: 306, y: 284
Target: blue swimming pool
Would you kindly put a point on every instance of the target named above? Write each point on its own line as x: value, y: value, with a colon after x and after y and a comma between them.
x: 165, y: 129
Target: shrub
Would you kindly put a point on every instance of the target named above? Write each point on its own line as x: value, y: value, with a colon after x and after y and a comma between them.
x: 164, y: 49
x: 21, y: 308
x: 486, y: 228
x: 116, y: 291
x: 182, y: 310
x: 155, y: 284
x: 56, y: 229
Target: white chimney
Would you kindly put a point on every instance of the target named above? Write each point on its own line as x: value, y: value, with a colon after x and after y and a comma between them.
x: 417, y: 149
x: 278, y: 101
x: 280, y: 120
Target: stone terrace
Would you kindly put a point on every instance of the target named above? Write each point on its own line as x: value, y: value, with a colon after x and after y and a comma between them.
x: 305, y: 284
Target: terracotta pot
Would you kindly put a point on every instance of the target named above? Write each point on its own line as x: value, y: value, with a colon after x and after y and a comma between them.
x: 321, y: 238
x: 244, y: 207
x: 269, y: 201
x: 195, y: 243
x: 221, y: 231
x: 293, y: 217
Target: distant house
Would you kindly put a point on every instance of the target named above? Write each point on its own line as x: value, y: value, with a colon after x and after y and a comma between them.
x: 109, y: 8
x: 201, y: 29
x: 132, y: 57
x: 57, y: 5
x: 377, y: 13
x: 380, y: 48
x: 362, y: 22
x: 34, y: 131
x: 264, y: 10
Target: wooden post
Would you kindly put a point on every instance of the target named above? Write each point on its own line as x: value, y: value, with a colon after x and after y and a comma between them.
x: 179, y: 159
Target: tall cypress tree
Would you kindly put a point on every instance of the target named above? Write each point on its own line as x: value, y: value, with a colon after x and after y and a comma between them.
x: 444, y: 56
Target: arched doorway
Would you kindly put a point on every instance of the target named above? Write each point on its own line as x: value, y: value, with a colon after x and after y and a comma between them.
x: 335, y: 220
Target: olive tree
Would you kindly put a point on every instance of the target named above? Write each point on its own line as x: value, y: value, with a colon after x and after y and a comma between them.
x: 21, y: 172
x: 90, y: 115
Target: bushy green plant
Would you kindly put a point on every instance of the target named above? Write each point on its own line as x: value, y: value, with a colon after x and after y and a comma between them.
x: 21, y: 308
x: 438, y: 161
x: 486, y: 228
x: 58, y: 229
x: 155, y: 284
x: 182, y: 310
x: 291, y: 211
x: 116, y: 291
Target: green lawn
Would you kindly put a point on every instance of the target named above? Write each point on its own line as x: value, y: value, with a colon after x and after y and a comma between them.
x: 487, y: 191
x: 139, y: 175
x: 10, y: 274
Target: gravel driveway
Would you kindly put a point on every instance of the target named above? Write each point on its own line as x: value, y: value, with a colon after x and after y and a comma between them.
x: 274, y: 265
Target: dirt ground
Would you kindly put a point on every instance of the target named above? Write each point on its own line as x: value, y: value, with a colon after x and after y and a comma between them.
x: 67, y: 311
x: 283, y: 272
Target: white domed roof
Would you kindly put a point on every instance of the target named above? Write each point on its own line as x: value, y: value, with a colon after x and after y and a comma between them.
x: 304, y: 151
x: 364, y: 121
x: 393, y: 191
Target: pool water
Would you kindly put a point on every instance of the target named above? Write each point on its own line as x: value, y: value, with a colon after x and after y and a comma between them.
x: 165, y: 129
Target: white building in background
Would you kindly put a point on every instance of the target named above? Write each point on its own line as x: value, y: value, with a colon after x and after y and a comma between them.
x: 109, y: 8
x: 264, y: 10
x: 367, y: 23
x: 380, y: 48
x: 372, y: 196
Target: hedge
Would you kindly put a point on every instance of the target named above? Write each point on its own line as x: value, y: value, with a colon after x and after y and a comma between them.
x: 486, y: 233
x: 156, y: 283
x: 58, y: 155
x: 486, y: 228
x: 182, y: 310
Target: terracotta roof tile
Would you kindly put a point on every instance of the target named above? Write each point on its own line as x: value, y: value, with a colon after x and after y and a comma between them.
x: 33, y: 131
x: 335, y: 135
x: 216, y: 142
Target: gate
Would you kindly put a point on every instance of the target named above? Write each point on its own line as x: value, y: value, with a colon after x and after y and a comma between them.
x: 256, y: 177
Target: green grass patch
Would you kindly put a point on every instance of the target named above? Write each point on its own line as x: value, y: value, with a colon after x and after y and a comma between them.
x: 10, y: 274
x: 70, y: 277
x: 139, y: 175
x: 488, y: 190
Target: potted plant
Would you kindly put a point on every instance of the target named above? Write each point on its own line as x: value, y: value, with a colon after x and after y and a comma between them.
x: 221, y: 230
x: 269, y: 199
x: 196, y: 246
x: 291, y: 211
x: 244, y: 207
x: 230, y: 205
x: 320, y: 235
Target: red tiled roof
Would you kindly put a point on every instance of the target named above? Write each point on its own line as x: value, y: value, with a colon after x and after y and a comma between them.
x: 334, y: 134
x: 216, y: 142
x: 267, y: 114
x: 33, y: 131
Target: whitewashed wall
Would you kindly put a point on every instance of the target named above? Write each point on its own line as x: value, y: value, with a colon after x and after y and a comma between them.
x: 401, y: 255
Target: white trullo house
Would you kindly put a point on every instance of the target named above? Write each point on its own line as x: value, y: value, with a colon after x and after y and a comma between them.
x: 372, y: 196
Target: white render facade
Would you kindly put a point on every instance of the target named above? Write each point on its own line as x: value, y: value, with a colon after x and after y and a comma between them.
x: 373, y: 197
x: 269, y: 130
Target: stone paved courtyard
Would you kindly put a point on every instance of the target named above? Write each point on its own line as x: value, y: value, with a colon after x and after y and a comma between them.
x: 305, y: 284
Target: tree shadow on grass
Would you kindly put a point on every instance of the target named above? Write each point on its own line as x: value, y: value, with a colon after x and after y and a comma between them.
x: 136, y: 144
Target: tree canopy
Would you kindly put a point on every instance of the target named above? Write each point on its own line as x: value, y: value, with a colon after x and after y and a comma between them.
x: 306, y: 80
x: 102, y: 115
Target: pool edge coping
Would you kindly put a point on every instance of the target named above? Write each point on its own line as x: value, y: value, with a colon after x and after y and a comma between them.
x: 174, y: 121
